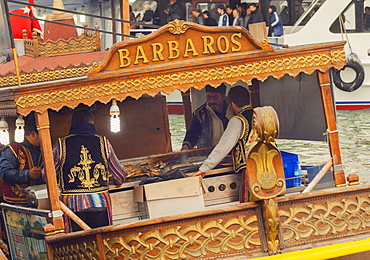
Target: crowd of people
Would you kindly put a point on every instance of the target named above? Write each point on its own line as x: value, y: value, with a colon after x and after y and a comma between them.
x: 244, y: 15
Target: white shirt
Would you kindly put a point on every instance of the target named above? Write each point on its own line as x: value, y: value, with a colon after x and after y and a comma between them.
x: 227, y: 142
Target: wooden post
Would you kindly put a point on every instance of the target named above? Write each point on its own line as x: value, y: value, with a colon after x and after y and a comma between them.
x: 125, y: 16
x: 254, y: 90
x: 114, y: 25
x: 43, y: 126
x: 186, y: 103
x: 98, y: 41
x: 101, y: 248
x: 327, y: 98
x: 271, y: 220
x: 35, y: 44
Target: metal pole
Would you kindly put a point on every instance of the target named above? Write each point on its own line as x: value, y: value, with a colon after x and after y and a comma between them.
x: 14, y: 51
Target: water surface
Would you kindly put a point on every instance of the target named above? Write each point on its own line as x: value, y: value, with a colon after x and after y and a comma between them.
x: 354, y: 139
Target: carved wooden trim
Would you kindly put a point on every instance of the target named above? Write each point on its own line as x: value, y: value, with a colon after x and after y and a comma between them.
x: 324, y: 217
x: 87, y: 42
x: 120, y: 86
x: 11, y: 79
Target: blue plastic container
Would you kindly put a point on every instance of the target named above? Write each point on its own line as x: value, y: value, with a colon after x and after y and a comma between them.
x: 292, y: 169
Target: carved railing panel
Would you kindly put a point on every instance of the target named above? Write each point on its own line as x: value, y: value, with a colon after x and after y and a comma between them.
x: 82, y: 250
x: 325, y: 218
x: 229, y: 234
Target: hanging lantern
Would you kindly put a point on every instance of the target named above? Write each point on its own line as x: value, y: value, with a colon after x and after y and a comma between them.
x: 115, y: 124
x: 4, y: 133
x: 19, y: 129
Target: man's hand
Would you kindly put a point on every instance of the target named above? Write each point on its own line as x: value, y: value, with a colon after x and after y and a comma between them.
x: 166, y: 11
x: 198, y: 173
x: 35, y: 172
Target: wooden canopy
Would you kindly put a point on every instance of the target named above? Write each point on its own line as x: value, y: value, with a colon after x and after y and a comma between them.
x: 180, y: 55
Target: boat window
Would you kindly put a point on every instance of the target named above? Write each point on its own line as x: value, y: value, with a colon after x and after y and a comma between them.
x: 188, y: 14
x: 305, y: 9
x: 355, y: 18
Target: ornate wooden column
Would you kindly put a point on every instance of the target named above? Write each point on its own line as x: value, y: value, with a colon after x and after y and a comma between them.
x: 332, y: 131
x: 265, y: 177
x: 43, y: 126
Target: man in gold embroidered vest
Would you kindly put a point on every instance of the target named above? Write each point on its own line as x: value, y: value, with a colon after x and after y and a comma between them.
x: 83, y: 163
x: 209, y: 120
x: 20, y: 165
x: 236, y: 135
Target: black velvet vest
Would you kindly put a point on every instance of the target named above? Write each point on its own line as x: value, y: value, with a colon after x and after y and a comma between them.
x: 239, y: 152
x: 83, y: 164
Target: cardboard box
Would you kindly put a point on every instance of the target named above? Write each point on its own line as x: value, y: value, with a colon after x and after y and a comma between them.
x: 170, y: 197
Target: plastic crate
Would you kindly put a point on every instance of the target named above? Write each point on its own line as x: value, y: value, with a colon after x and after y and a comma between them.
x: 292, y: 169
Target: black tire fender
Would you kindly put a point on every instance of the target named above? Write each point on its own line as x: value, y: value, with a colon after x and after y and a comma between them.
x: 356, y: 83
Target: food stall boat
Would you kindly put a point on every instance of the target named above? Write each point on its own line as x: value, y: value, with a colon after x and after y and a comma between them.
x: 291, y: 92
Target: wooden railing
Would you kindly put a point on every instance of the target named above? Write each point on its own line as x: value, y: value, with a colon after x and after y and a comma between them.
x: 87, y: 42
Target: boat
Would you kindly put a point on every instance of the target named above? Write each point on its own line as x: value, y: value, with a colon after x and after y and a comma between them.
x: 308, y: 21
x: 320, y: 23
x: 292, y: 93
x: 316, y: 22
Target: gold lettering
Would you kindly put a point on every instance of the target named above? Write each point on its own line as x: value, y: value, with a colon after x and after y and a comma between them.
x: 207, y: 44
x: 219, y: 46
x: 157, y: 51
x: 124, y: 59
x: 140, y: 54
x: 189, y: 46
x: 173, y: 50
x: 233, y: 40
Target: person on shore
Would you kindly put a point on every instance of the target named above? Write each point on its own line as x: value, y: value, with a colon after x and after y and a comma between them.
x: 83, y: 163
x: 367, y: 18
x: 229, y: 12
x: 209, y: 120
x: 238, y: 21
x: 21, y: 165
x: 197, y: 14
x: 236, y: 136
x: 223, y: 20
x: 173, y: 11
x: 255, y: 15
x: 276, y: 26
x: 208, y: 20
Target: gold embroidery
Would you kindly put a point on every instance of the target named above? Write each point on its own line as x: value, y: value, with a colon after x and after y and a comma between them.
x: 21, y: 160
x: 241, y: 148
x: 83, y: 172
x: 17, y: 190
